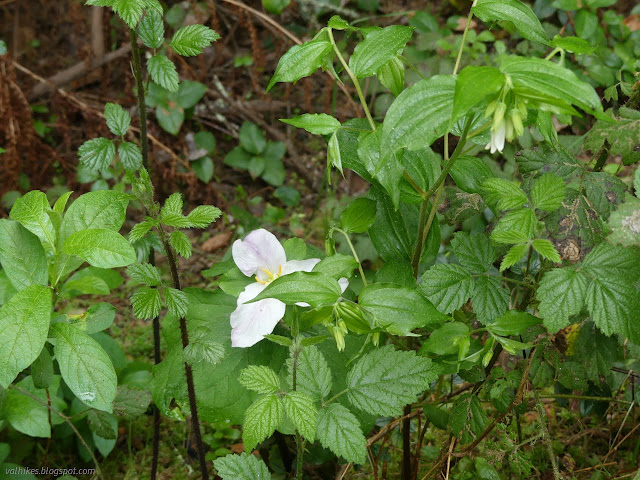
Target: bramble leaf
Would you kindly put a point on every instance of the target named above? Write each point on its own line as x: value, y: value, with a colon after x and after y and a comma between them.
x: 261, y: 419
x: 163, y: 72
x: 548, y: 192
x: 562, y: 293
x: 241, y: 467
x: 259, y: 378
x: 97, y: 154
x: 302, y: 413
x: 339, y: 431
x: 448, y: 286
x: 190, y: 40
x: 146, y: 303
x: 118, y: 120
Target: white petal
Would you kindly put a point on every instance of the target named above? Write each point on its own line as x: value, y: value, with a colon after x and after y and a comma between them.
x: 500, y: 136
x: 260, y: 249
x: 344, y: 283
x: 299, y: 266
x: 251, y: 321
x: 250, y: 292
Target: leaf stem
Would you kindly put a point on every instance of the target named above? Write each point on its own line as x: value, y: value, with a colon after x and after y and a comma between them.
x: 353, y: 78
x: 335, y: 397
x: 464, y: 38
x: 355, y: 255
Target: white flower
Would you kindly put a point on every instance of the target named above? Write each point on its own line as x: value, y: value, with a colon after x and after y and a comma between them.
x: 497, y: 138
x: 261, y: 255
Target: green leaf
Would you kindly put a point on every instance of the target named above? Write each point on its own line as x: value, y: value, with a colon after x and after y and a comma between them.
x: 472, y: 86
x: 311, y: 287
x: 151, y: 30
x: 163, y: 72
x: 42, y: 370
x: 102, y: 209
x: 139, y: 231
x: 97, y: 154
x: 474, y: 252
x: 87, y: 285
x: 334, y: 156
x: 313, y: 374
x: 105, y: 445
x: 275, y: 6
x: 572, y: 44
x: 130, y: 155
x: 448, y: 286
x: 446, y: 339
x: 173, y: 204
x: 241, y: 467
x: 32, y: 211
x: 131, y: 402
x: 337, y: 265
x: 506, y: 195
x: 170, y: 118
x: 23, y: 259
x: 377, y: 48
x: 118, y: 120
x: 302, y: 413
x: 385, y: 380
x: 339, y: 431
x: 85, y: 367
x: 190, y: 40
x: 203, y: 215
x: 203, y: 168
x: 176, y: 301
x: 146, y: 303
x: 181, y: 243
x: 621, y: 136
x: 604, y: 191
x: 261, y: 419
x: 145, y: 273
x: 101, y: 423
x: 485, y: 470
x: 515, y: 12
x: 98, y: 317
x: 625, y: 223
x: 516, y: 226
x: 338, y: 23
x: 489, y: 298
x: 100, y: 247
x: 26, y: 414
x: 398, y: 309
x: 129, y: 11
x: 513, y: 322
x: 190, y: 93
x: 358, y: 216
x: 419, y: 115
x: 301, y: 60
x: 387, y: 170
x: 24, y: 324
x: 391, y: 75
x: 205, y: 348
x: 467, y: 419
x: 252, y: 138
x: 607, y: 261
x: 548, y: 192
x: 541, y: 80
x: 562, y: 293
x: 514, y: 255
x: 546, y: 250
x: 316, y: 123
x: 260, y: 379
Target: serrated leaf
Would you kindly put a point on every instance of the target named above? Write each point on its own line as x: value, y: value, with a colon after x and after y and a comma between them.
x: 621, y: 136
x: 139, y: 230
x: 515, y: 12
x: 613, y: 305
x: 261, y: 419
x: 506, y: 195
x: 516, y: 226
x: 151, y: 30
x: 546, y: 249
x: 301, y: 61
x: 398, y: 309
x: 146, y: 303
x: 489, y: 298
x: 85, y: 367
x: 604, y: 191
x: 562, y: 293
x: 467, y: 418
x: 204, y: 348
x: 145, y: 273
x: 181, y: 243
x: 100, y: 247
x: 23, y: 258
x: 131, y: 402
x: 339, y: 431
x: 163, y: 72
x: 241, y: 467
x: 97, y: 154
x: 130, y: 155
x: 101, y: 424
x: 259, y: 378
x: 377, y: 48
x: 190, y: 40
x: 448, y: 286
x: 118, y: 120
x: 514, y: 255
x: 302, y: 413
x: 176, y: 301
x: 384, y: 380
x: 24, y: 323
x: 313, y: 373
x: 607, y: 261
x: 474, y: 252
x: 316, y: 123
x: 203, y: 215
x: 129, y: 11
x: 419, y: 115
x: 32, y: 211
x: 446, y: 339
x: 548, y: 192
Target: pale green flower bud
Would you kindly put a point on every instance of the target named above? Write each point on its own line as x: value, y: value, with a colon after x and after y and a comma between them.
x: 498, y: 116
x: 516, y: 120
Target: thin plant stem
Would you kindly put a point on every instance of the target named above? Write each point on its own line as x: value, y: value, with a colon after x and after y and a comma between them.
x: 355, y: 81
x: 355, y: 255
x: 464, y: 38
x: 296, y: 348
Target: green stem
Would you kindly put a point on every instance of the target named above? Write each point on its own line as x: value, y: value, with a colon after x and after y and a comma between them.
x: 296, y: 348
x: 464, y: 38
x: 142, y: 107
x: 355, y: 255
x: 353, y: 79
x: 335, y: 397
x: 584, y: 397
x: 411, y: 66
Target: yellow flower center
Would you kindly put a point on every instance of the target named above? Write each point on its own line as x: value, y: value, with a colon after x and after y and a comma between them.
x: 272, y: 276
